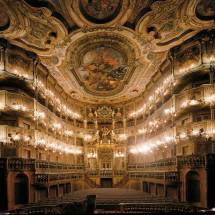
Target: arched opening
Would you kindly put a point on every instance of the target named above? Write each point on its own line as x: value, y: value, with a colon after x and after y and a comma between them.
x: 192, y: 187
x: 21, y: 189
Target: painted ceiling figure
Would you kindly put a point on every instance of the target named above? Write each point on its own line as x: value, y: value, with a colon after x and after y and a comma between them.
x: 101, y: 8
x: 102, y: 69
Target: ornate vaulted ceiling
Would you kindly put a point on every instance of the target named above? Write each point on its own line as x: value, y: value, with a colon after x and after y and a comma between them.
x: 103, y: 51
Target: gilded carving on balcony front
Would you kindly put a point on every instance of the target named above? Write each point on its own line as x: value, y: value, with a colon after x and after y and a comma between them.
x: 32, y: 28
x: 19, y: 63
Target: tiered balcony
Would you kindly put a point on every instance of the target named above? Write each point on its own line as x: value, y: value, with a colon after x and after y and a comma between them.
x: 45, y: 173
x: 188, y: 100
x: 15, y: 63
x: 29, y: 107
x: 175, y: 163
x: 195, y: 132
x: 21, y: 136
x: 167, y: 171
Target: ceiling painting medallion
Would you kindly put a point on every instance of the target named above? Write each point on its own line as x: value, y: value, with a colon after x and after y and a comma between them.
x: 100, y: 11
x: 102, y: 69
x: 106, y: 13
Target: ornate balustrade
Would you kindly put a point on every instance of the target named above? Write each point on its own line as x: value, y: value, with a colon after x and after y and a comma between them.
x: 119, y: 172
x: 166, y: 164
x: 191, y: 161
x: 92, y: 173
x: 18, y: 164
x: 195, y: 161
x: 161, y: 177
x: 106, y: 173
x: 45, y: 179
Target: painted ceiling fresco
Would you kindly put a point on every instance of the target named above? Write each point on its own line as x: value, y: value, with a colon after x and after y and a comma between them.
x: 100, y: 11
x: 103, y: 51
x: 206, y: 9
x: 102, y: 69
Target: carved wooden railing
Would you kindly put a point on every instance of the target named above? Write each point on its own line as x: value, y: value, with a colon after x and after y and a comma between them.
x: 45, y: 179
x: 197, y: 161
x: 17, y: 164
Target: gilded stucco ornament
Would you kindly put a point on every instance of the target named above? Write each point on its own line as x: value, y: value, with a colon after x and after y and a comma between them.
x: 110, y: 54
x: 32, y: 28
x: 170, y: 23
x: 12, y: 23
x: 99, y: 59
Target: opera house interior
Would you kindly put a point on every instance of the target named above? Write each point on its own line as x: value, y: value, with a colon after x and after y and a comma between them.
x: 107, y: 106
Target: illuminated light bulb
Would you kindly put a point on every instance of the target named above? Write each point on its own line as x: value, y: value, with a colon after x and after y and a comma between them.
x: 151, y: 123
x: 194, y: 133
x: 158, y: 143
x: 122, y: 137
x: 183, y: 135
x: 87, y: 137
x: 41, y: 142
x: 212, y: 58
x: 210, y: 99
x: 169, y: 111
x: 168, y: 139
x: 26, y: 138
x: 26, y: 76
x: 132, y: 114
x: 133, y: 151
x: 142, y: 131
x: 119, y: 155
x: 184, y: 104
x: 23, y: 108
x: 144, y: 149
x: 192, y: 66
x: 69, y: 132
x: 193, y: 102
x: 39, y: 114
x: 17, y: 137
x: 16, y: 107
x: 57, y: 125
x: 91, y: 155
